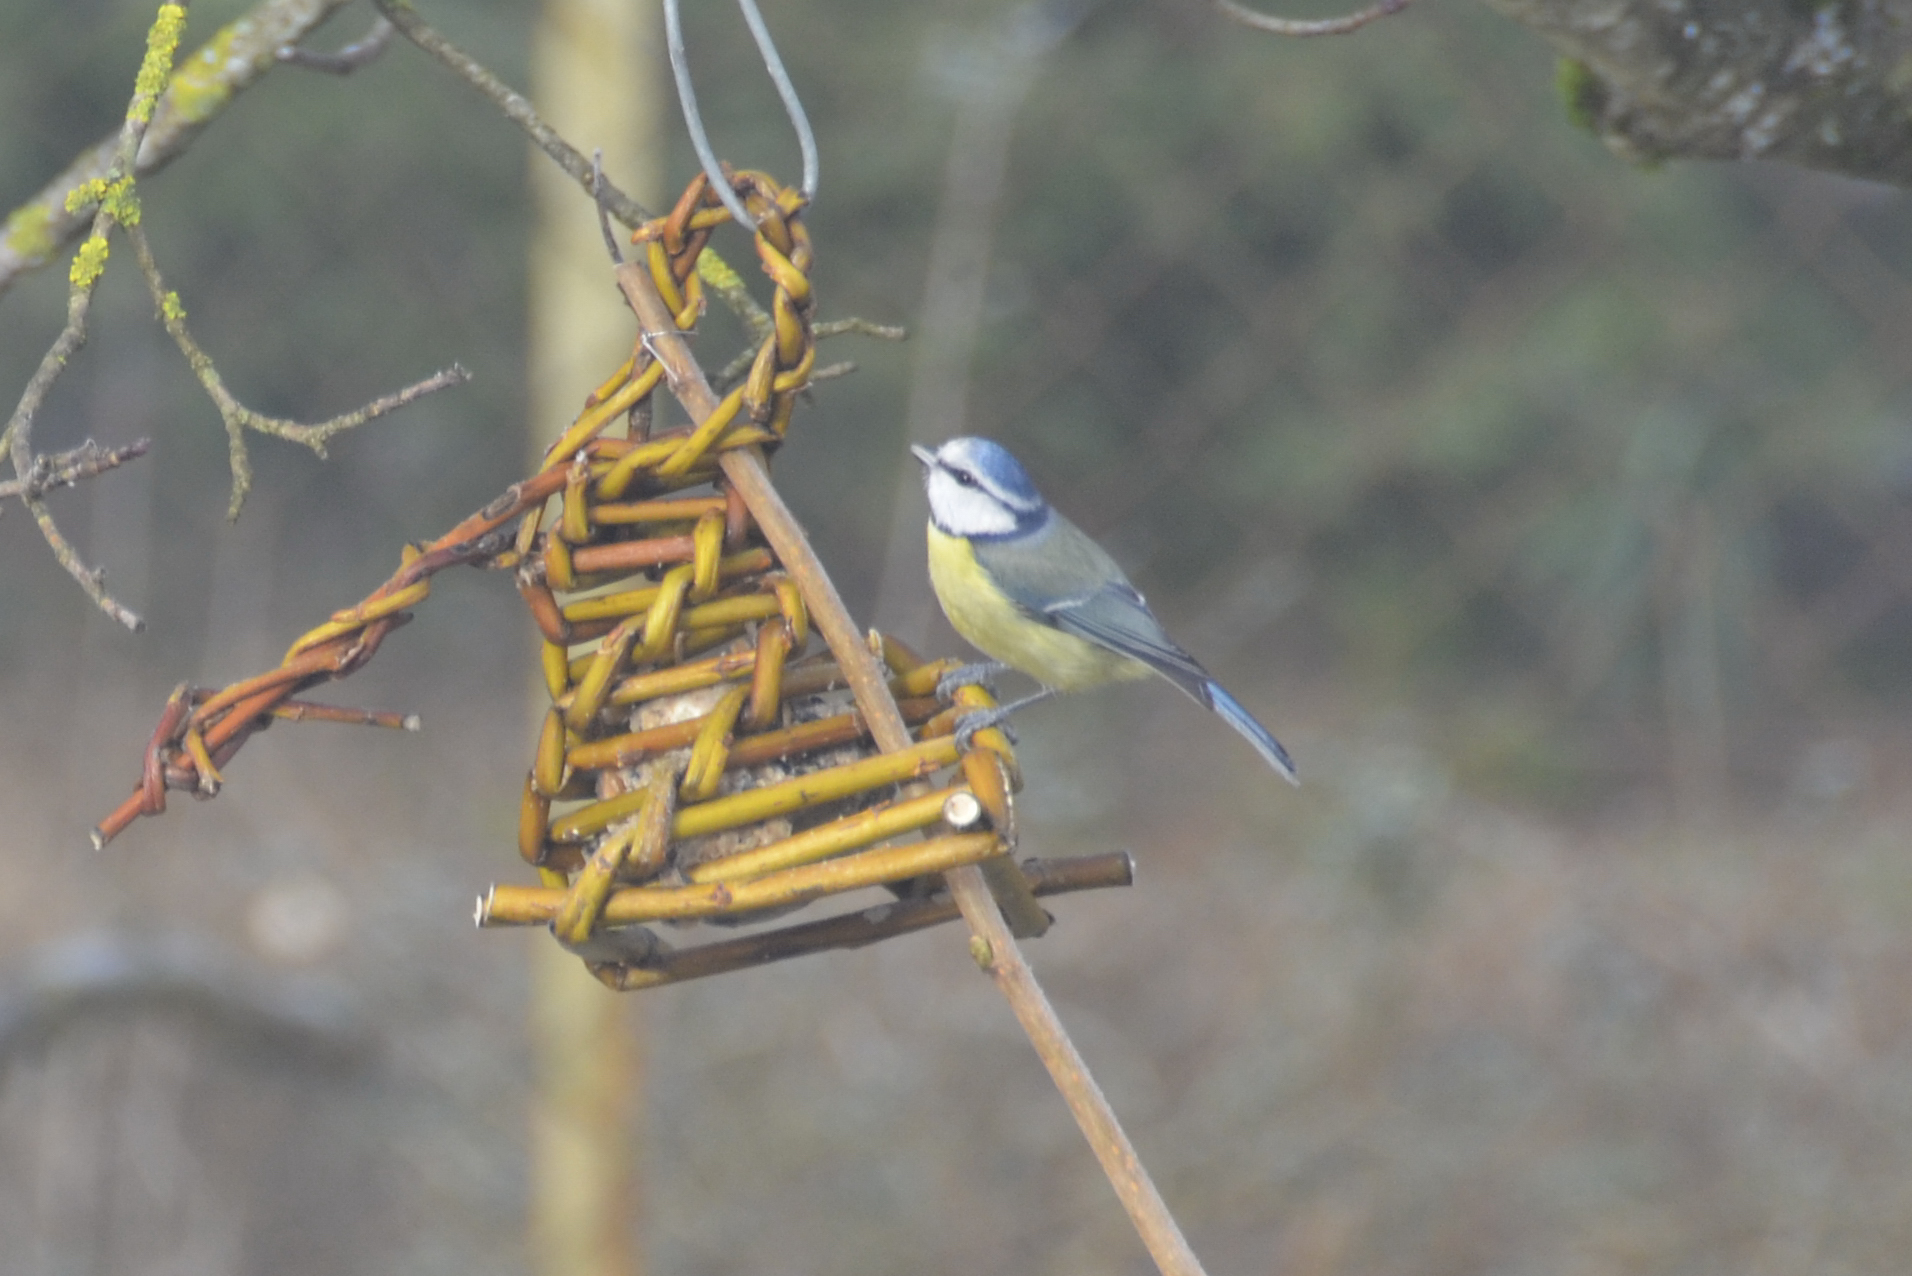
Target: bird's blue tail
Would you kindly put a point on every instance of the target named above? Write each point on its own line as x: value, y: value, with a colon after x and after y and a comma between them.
x: 1239, y: 718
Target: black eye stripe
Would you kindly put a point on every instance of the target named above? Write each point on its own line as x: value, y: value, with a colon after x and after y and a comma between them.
x: 964, y: 477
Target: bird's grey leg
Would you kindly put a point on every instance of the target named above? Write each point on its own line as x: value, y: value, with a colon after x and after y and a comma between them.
x: 982, y: 675
x: 982, y: 719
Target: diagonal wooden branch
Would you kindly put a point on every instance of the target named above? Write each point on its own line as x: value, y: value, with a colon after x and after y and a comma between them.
x: 991, y: 942
x: 516, y: 108
x: 204, y: 84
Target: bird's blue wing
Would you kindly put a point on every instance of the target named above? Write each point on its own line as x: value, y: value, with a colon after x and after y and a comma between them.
x: 1060, y: 576
x: 1116, y: 617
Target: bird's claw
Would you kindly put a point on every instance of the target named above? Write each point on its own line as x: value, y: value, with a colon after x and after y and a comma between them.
x: 981, y: 720
x: 978, y: 675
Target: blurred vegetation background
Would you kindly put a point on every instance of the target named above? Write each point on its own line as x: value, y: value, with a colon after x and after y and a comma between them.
x: 1554, y: 512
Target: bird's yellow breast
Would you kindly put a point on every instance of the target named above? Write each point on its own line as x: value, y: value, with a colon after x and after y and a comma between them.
x: 989, y: 619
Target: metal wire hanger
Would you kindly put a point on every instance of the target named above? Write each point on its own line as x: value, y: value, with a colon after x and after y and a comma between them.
x: 694, y: 121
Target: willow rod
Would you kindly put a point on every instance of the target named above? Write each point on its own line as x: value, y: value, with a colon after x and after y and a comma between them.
x: 991, y: 942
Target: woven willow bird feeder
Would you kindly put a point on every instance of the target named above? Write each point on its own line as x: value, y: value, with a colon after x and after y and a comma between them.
x: 726, y: 774
x: 699, y: 762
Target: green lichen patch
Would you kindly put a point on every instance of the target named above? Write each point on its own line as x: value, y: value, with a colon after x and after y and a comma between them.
x: 1581, y: 92
x: 86, y: 194
x: 29, y: 232
x: 118, y: 198
x: 89, y: 263
x: 200, y: 86
x: 162, y: 42
x: 121, y: 202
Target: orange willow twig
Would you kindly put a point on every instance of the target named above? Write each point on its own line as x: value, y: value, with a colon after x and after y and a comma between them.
x: 224, y: 720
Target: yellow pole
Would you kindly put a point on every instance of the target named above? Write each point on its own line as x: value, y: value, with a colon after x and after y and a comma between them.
x: 595, y: 78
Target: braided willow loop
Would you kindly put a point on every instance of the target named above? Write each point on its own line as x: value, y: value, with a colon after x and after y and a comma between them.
x: 697, y: 761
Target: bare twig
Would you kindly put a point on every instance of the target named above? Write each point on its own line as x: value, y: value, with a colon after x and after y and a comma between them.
x: 89, y: 578
x: 735, y: 369
x: 604, y: 217
x: 861, y: 327
x: 238, y: 54
x: 237, y: 416
x: 117, y: 206
x: 516, y: 108
x: 1306, y: 27
x: 64, y: 469
x: 992, y: 943
x: 361, y: 52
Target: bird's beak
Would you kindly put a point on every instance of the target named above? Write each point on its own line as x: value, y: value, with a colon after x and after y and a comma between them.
x: 923, y: 454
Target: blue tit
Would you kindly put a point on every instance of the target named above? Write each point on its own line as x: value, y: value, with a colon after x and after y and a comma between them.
x: 1033, y: 592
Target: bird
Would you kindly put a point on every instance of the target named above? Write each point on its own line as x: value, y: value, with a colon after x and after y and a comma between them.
x: 1033, y: 592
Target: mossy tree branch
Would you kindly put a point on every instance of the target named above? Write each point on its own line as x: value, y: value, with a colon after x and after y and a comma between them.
x: 1820, y: 85
x: 1824, y: 86
x: 114, y: 204
x: 38, y: 231
x: 114, y: 201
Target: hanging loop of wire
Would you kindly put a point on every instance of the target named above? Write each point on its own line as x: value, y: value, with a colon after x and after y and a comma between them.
x: 694, y: 121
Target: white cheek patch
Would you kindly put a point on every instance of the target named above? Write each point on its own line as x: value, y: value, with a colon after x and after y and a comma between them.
x: 966, y: 511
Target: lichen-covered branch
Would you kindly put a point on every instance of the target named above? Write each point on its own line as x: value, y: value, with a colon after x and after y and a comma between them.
x: 37, y: 231
x: 237, y: 416
x: 1825, y: 86
x: 63, y: 469
x: 115, y: 205
x: 107, y: 200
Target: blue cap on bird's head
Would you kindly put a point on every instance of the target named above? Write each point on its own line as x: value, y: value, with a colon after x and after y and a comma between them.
x: 994, y: 462
x: 985, y: 464
x: 976, y: 488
